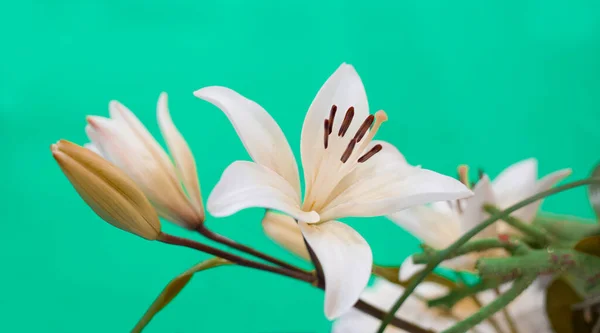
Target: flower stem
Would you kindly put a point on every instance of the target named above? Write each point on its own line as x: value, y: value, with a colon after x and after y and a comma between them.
x: 541, y: 236
x: 467, y: 236
x: 512, y: 326
x: 460, y: 293
x: 246, y: 249
x: 503, y: 300
x: 174, y: 240
x: 512, y: 245
x: 377, y: 313
x: 302, y: 276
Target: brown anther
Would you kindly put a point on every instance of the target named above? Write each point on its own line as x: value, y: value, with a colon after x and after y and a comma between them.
x: 377, y: 148
x: 348, y: 151
x: 326, y: 133
x: 362, y: 130
x: 347, y: 121
x: 331, y: 117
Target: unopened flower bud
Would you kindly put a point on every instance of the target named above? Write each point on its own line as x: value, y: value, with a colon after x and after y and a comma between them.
x: 107, y: 190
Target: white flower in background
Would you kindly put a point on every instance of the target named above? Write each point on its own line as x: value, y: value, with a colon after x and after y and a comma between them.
x: 440, y: 224
x: 527, y: 311
x: 383, y: 294
x: 346, y: 173
x: 172, y: 188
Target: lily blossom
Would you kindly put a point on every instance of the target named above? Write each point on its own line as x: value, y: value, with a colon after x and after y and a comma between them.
x: 440, y: 224
x: 172, y: 188
x: 527, y: 311
x: 346, y: 173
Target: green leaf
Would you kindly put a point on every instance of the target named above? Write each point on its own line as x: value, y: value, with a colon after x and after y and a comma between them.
x: 173, y: 288
x: 560, y: 297
x: 589, y: 245
x: 594, y: 192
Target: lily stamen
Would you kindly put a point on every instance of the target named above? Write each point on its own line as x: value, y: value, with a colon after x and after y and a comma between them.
x: 347, y: 121
x: 377, y: 148
x: 326, y: 132
x: 348, y: 151
x: 362, y: 130
x: 331, y: 117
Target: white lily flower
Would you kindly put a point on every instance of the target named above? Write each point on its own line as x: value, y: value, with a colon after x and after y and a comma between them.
x: 346, y: 173
x: 172, y: 188
x: 527, y: 311
x: 440, y: 224
x: 383, y: 294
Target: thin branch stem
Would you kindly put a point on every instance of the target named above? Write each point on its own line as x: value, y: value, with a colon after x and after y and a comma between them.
x: 511, y: 244
x: 517, y: 288
x: 302, y: 276
x: 541, y: 236
x: 377, y: 313
x: 246, y: 249
x: 174, y: 240
x: 467, y: 236
x: 509, y: 319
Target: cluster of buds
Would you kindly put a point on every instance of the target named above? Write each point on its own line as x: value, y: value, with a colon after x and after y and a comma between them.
x: 128, y: 179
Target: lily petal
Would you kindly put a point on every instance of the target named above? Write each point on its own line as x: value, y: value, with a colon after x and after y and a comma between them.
x: 123, y: 116
x: 247, y: 184
x: 344, y: 89
x: 260, y: 134
x: 130, y: 154
x: 408, y: 269
x: 527, y: 213
x: 182, y: 155
x: 389, y: 192
x: 516, y: 182
x: 346, y: 259
x: 430, y: 226
x: 474, y: 213
x: 284, y: 231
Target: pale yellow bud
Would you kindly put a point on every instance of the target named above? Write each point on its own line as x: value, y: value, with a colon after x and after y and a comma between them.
x: 171, y: 185
x: 107, y: 190
x: 284, y: 231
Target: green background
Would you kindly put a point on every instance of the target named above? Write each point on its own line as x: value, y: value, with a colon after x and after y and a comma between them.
x: 481, y: 82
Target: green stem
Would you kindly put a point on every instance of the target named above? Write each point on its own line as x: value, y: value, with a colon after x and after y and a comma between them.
x: 541, y: 236
x: 517, y: 288
x: 512, y: 245
x: 536, y: 262
x: 509, y: 319
x: 458, y: 243
x: 458, y: 294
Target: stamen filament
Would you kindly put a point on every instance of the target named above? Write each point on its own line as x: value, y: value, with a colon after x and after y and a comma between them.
x: 380, y: 118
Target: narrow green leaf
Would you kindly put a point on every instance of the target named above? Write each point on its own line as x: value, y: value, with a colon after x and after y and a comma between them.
x: 173, y: 288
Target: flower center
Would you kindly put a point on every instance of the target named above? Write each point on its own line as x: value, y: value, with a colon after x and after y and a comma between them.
x: 342, y: 154
x: 358, y: 136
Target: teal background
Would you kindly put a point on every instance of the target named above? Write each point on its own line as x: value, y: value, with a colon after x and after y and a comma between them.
x: 481, y: 82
